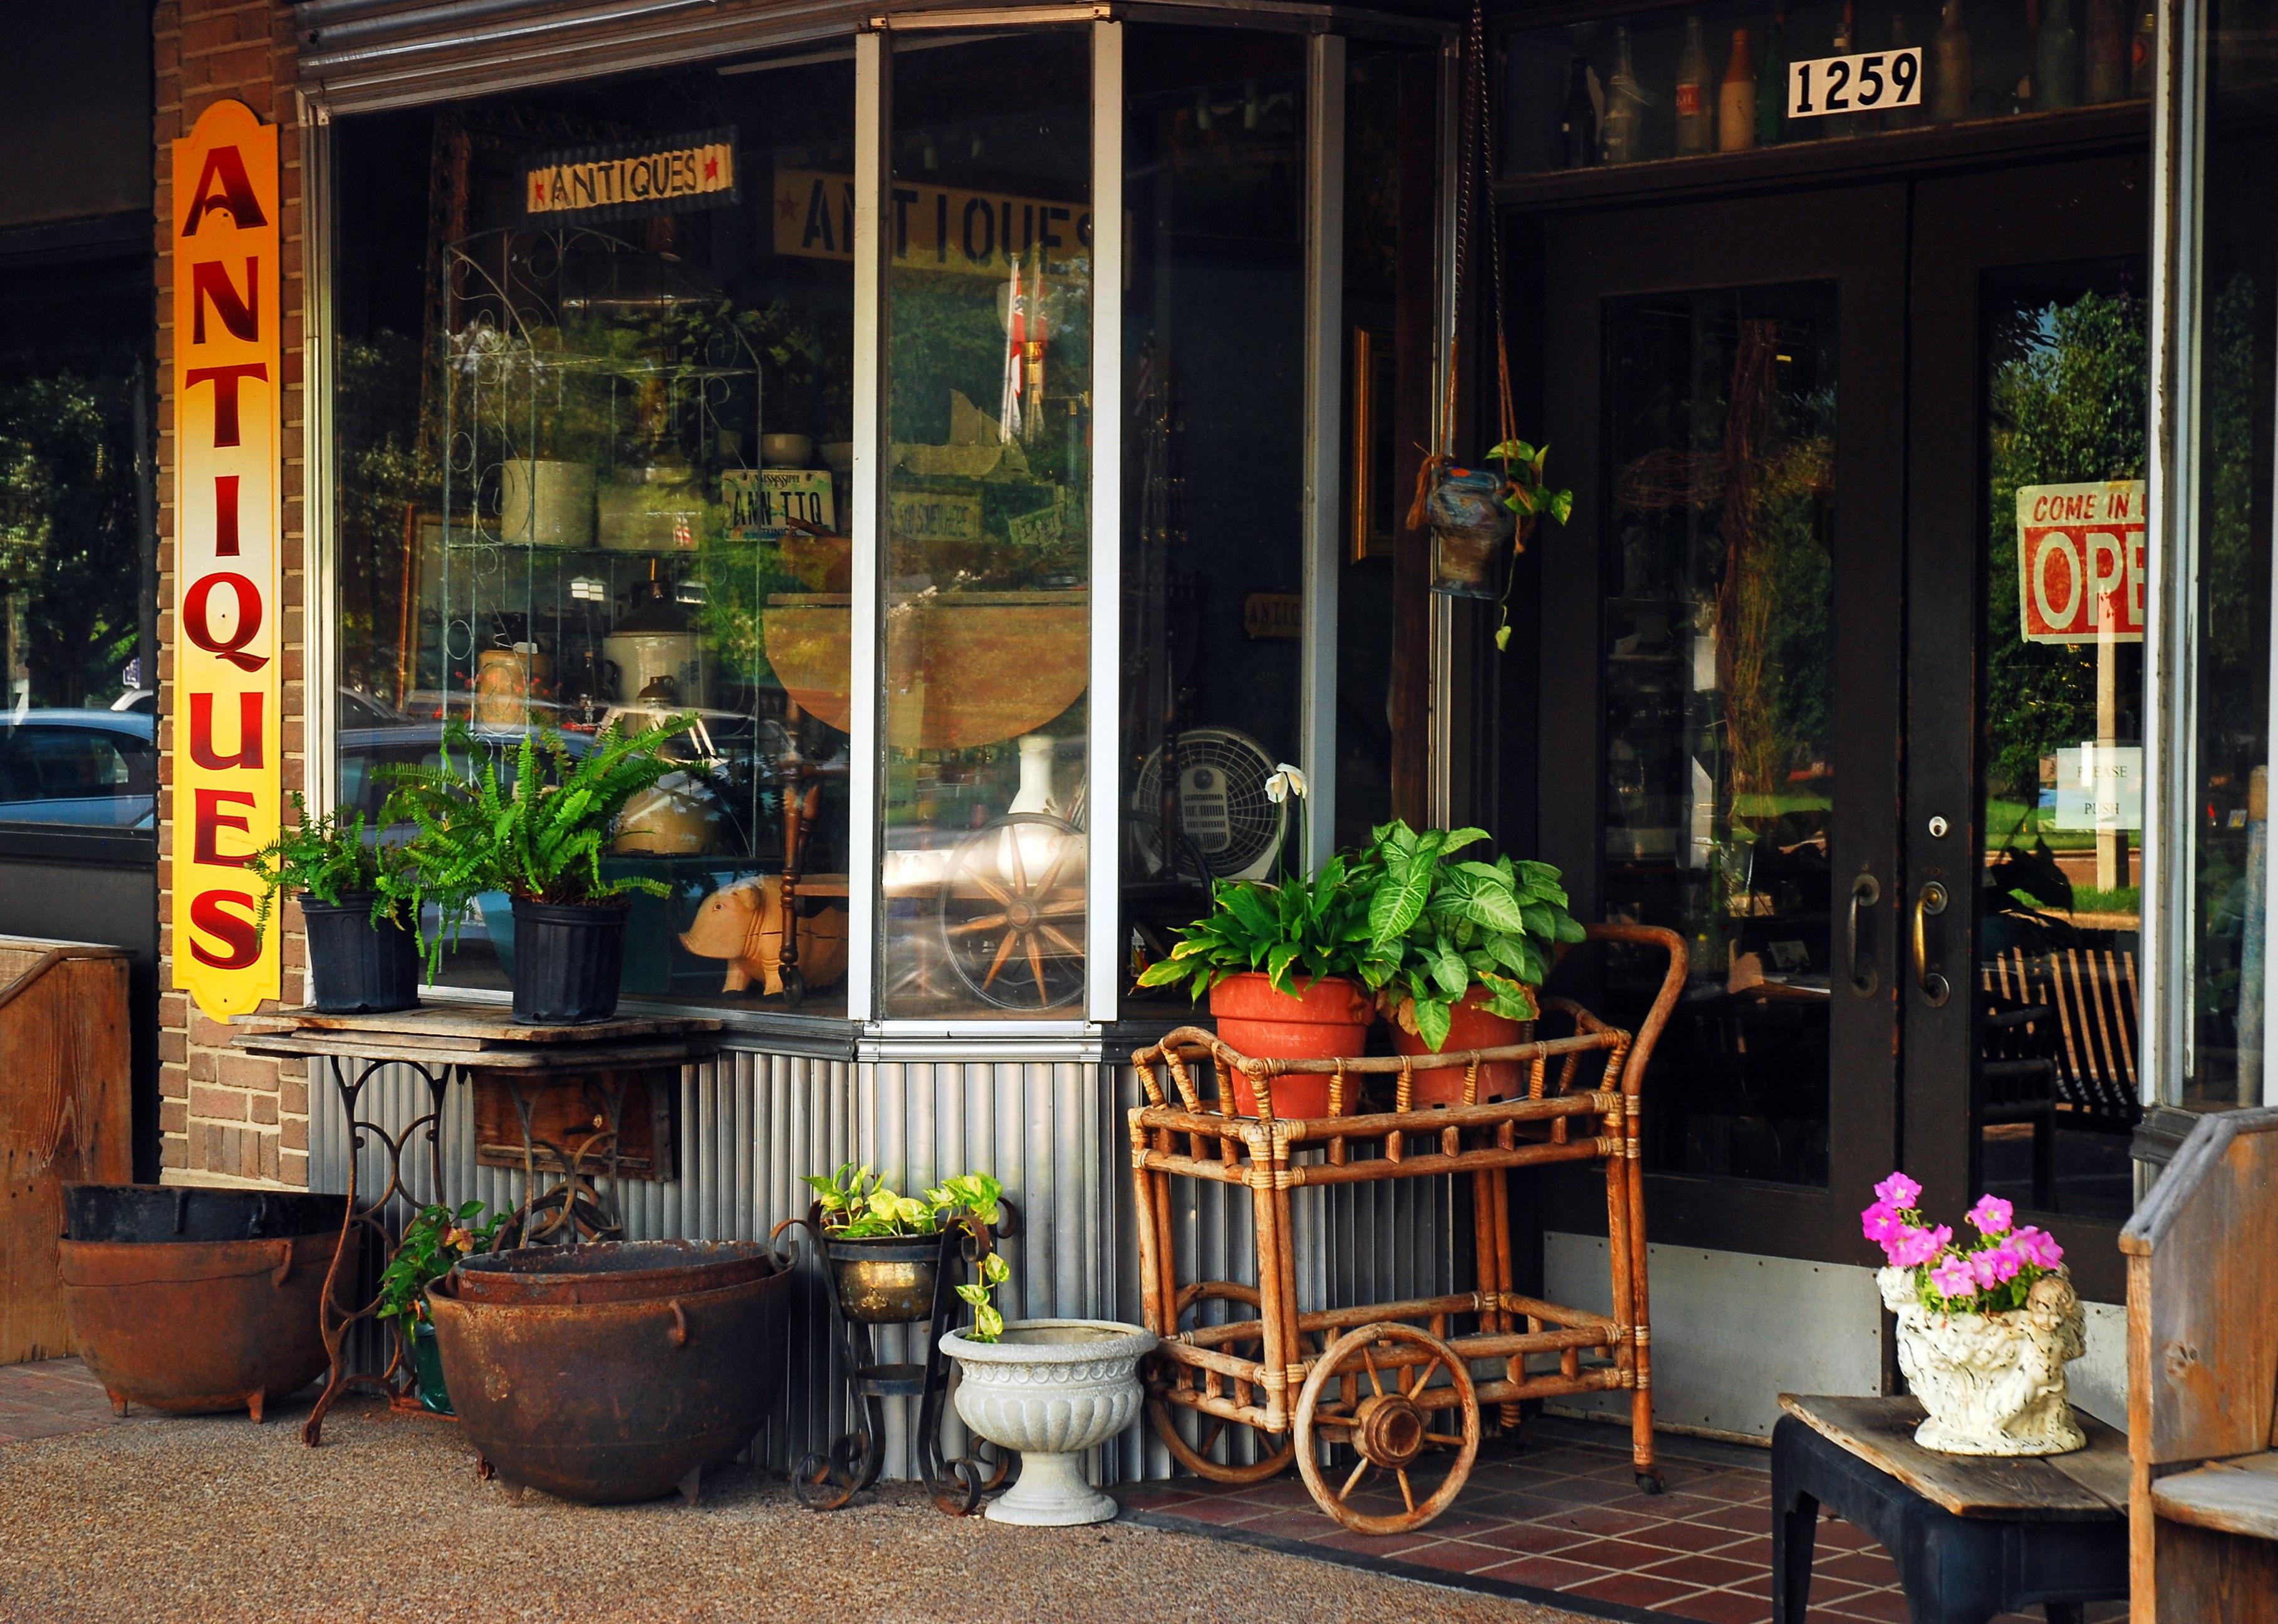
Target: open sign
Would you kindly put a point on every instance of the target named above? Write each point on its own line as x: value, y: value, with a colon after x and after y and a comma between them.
x: 2080, y: 562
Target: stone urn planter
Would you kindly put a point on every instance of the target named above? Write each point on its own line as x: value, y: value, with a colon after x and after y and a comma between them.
x: 1051, y: 1389
x: 1993, y: 1384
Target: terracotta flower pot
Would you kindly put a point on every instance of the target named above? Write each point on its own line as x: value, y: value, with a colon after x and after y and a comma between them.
x: 1470, y: 1026
x: 1322, y: 1020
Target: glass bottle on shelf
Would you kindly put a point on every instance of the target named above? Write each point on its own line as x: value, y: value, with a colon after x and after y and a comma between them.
x: 1696, y: 118
x: 1622, y: 132
x: 1903, y: 117
x: 2143, y: 53
x: 2056, y: 59
x: 1950, y: 66
x: 2105, y: 76
x: 1578, y: 120
x: 1736, y: 98
x: 1843, y: 45
x: 1772, y: 86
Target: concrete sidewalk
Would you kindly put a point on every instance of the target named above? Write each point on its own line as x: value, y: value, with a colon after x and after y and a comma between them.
x: 217, y: 1519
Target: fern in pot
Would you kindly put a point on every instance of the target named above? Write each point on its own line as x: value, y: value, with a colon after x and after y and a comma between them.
x: 537, y: 834
x: 1469, y: 941
x: 356, y: 903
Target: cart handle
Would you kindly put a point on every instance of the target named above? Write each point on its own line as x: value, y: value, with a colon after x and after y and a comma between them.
x: 1664, y: 1003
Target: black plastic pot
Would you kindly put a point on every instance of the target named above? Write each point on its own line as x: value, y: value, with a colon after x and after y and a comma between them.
x: 569, y: 961
x: 355, y: 965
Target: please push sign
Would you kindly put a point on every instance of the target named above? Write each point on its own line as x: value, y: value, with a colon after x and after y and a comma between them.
x: 227, y: 370
x: 2080, y: 562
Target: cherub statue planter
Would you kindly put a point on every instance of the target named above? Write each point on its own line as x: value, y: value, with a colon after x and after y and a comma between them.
x: 1985, y: 1328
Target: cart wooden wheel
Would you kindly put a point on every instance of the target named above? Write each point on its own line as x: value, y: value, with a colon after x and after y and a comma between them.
x: 1194, y: 1455
x: 1012, y: 911
x: 1385, y: 1391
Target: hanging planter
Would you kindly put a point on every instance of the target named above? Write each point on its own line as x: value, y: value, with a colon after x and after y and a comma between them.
x: 1470, y: 526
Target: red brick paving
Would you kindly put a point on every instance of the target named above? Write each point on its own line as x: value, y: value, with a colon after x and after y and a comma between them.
x: 1563, y: 1515
x: 50, y: 1397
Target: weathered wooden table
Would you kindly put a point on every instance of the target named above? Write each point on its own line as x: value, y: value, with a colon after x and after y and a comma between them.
x: 442, y: 1043
x: 1973, y: 1535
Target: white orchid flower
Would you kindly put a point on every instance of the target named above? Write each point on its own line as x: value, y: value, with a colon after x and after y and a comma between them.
x: 1287, y: 781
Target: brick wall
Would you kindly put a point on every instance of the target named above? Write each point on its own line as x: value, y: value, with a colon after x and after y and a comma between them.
x: 225, y: 1116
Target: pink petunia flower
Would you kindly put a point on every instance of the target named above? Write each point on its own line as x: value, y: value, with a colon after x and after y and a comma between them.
x: 2036, y: 1247
x: 1915, y: 1247
x: 1951, y: 1278
x: 1992, y: 1215
x: 1899, y: 1192
x: 1994, y: 1265
x: 1881, y: 1223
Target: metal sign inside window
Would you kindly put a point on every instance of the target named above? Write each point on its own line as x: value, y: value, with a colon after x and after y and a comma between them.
x: 1865, y: 83
x: 665, y: 174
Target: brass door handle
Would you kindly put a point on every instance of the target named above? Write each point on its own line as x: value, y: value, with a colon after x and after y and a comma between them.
x: 1865, y: 891
x: 1935, y: 988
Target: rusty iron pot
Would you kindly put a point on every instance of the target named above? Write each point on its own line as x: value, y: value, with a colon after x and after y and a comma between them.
x: 195, y: 1326
x: 606, y: 1402
x: 625, y: 1271
x: 181, y: 1212
x: 886, y: 1279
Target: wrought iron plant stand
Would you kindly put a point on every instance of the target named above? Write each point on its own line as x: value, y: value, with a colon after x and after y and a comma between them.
x: 1391, y: 1386
x: 440, y: 1045
x: 910, y: 1282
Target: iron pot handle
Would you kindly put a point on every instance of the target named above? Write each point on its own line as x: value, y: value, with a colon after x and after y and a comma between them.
x: 284, y: 1269
x: 679, y: 1331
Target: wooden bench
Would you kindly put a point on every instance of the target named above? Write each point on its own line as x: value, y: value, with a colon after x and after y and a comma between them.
x: 2202, y: 1379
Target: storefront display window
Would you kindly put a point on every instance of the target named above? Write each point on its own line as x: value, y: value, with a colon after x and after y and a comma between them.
x: 595, y: 431
x: 2226, y: 827
x: 987, y: 515
x: 78, y: 706
x: 1728, y: 78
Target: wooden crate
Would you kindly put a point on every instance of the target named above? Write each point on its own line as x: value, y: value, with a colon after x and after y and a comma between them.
x: 568, y: 1110
x: 66, y: 1117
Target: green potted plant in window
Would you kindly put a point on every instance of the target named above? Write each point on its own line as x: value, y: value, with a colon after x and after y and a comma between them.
x: 1469, y: 942
x: 356, y: 902
x: 1289, y: 967
x: 539, y: 834
x: 434, y: 1243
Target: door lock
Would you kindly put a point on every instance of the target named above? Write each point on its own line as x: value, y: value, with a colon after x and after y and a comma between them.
x: 1929, y: 900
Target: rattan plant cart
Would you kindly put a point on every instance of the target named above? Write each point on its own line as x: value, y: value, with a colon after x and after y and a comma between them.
x: 1369, y: 1399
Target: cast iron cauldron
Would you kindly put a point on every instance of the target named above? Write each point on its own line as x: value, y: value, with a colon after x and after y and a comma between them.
x: 619, y: 1272
x: 197, y: 1300
x: 621, y: 1399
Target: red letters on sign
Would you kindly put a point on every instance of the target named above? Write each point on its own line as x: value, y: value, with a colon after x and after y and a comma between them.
x: 248, y: 732
x: 240, y: 938
x: 211, y: 820
x: 198, y: 620
x: 224, y: 380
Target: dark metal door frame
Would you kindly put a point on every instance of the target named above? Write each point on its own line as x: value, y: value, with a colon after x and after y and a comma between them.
x: 1857, y: 238
x: 1964, y: 227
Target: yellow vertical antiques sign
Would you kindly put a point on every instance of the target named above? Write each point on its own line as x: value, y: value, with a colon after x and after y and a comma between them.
x: 228, y: 605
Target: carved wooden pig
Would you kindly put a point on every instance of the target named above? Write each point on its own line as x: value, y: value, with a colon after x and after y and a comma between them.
x: 742, y: 924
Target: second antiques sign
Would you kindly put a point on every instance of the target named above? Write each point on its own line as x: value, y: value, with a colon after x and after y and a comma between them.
x: 227, y: 602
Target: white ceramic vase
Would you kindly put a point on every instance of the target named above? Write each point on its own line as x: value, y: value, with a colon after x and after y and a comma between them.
x: 1993, y: 1384
x: 1051, y: 1389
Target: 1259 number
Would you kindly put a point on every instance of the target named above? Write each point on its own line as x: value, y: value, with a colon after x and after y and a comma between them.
x: 1854, y: 84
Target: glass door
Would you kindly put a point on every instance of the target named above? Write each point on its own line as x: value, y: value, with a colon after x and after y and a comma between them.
x: 1722, y: 613
x: 2027, y: 523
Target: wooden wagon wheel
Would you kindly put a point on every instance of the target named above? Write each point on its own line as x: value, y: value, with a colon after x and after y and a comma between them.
x: 1356, y: 1395
x: 1012, y: 911
x: 1195, y: 1457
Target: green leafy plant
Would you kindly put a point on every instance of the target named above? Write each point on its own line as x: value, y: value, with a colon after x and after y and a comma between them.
x: 1438, y: 926
x: 1527, y: 495
x: 1300, y: 929
x: 857, y: 1204
x: 537, y: 833
x: 328, y: 858
x: 434, y: 1243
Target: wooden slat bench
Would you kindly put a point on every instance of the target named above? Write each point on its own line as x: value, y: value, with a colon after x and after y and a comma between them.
x: 2203, y: 1378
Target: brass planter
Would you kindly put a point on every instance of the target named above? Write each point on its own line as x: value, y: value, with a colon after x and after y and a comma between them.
x: 886, y: 1280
